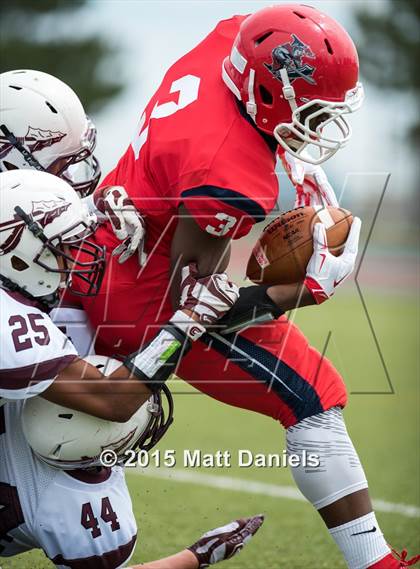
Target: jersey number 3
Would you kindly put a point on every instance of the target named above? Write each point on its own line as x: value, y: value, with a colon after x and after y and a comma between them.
x: 187, y: 89
x: 224, y: 223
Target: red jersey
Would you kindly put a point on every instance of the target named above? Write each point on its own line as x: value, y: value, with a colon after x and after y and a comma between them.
x: 195, y: 146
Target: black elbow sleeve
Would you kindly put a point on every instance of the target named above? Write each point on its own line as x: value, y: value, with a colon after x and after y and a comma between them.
x: 254, y: 306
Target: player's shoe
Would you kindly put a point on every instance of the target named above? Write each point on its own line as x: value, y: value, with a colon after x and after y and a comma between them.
x: 395, y: 561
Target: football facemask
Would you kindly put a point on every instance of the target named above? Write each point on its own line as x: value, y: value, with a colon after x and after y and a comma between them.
x: 317, y: 124
x: 67, y: 247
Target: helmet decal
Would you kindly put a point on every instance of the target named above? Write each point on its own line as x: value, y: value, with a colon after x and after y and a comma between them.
x: 43, y: 212
x: 290, y: 56
x: 35, y: 139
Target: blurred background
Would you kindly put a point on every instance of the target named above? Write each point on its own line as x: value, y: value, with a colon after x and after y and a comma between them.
x: 114, y: 54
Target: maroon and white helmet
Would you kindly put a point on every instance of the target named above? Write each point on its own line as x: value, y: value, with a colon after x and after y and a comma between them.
x: 69, y: 439
x: 43, y: 126
x: 43, y: 227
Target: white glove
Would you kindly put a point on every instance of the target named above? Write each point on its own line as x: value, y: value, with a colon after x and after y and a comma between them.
x: 128, y: 225
x: 325, y: 271
x: 225, y: 542
x: 203, y: 301
x: 310, y: 181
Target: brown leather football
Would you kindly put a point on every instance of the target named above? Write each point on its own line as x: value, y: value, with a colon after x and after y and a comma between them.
x: 282, y: 253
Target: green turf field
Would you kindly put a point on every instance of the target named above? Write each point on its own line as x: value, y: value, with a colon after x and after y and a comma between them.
x: 385, y: 429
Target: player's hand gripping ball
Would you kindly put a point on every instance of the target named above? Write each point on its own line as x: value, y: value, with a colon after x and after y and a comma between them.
x: 225, y: 542
x: 282, y: 253
x: 325, y: 272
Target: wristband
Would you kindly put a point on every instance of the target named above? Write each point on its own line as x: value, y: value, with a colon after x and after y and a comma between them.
x: 90, y: 204
x: 159, y: 358
x: 187, y: 325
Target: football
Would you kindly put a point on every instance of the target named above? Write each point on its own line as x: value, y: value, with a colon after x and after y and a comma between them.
x: 282, y: 253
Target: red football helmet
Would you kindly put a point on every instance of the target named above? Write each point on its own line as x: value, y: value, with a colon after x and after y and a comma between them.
x: 296, y: 70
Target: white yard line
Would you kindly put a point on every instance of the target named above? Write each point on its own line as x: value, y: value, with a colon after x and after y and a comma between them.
x: 254, y: 487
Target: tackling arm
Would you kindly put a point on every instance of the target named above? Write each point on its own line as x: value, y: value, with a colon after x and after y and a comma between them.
x: 214, y: 546
x: 81, y: 386
x: 182, y: 560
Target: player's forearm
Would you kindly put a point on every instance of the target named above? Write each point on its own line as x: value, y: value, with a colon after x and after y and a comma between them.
x: 191, y: 244
x: 118, y: 396
x: 290, y: 296
x: 182, y: 560
x: 83, y: 388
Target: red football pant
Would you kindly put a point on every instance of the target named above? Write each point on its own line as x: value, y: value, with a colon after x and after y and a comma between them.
x: 270, y: 368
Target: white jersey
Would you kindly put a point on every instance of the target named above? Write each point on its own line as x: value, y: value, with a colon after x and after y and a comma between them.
x: 74, y: 323
x: 33, y: 349
x: 72, y: 516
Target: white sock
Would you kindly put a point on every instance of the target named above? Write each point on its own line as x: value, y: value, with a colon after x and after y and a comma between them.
x: 360, y: 543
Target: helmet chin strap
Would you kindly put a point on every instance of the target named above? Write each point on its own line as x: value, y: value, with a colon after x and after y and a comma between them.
x: 288, y: 90
x: 290, y: 96
x: 251, y: 107
x: 47, y: 302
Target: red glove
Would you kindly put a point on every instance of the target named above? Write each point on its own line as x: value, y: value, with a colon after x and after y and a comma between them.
x: 325, y: 272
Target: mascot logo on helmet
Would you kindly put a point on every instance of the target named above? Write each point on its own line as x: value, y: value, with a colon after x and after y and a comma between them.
x: 34, y: 140
x: 43, y: 212
x: 290, y: 56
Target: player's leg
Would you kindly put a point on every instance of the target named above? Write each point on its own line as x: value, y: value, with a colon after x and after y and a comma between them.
x: 338, y: 488
x: 272, y: 370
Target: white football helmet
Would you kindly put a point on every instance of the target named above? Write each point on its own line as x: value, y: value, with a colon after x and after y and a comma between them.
x: 43, y: 126
x: 44, y: 228
x: 69, y: 439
